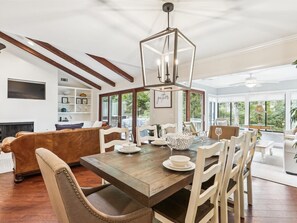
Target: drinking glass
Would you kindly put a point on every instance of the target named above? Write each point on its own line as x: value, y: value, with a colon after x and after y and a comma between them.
x: 131, y: 140
x: 203, y: 135
x: 171, y: 143
x: 218, y: 132
x: 187, y: 130
x: 162, y: 136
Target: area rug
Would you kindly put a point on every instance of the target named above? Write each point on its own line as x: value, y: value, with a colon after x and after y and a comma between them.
x: 6, y: 164
x: 271, y: 168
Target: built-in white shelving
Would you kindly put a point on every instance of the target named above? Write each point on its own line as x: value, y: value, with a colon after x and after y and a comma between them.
x: 74, y: 104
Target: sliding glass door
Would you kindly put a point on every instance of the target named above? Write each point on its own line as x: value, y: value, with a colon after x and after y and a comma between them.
x: 125, y: 108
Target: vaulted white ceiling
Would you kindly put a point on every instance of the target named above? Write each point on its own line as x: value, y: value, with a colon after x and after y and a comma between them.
x: 113, y: 28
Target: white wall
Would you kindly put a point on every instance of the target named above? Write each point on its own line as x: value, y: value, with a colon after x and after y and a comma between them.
x: 42, y: 112
x: 163, y: 115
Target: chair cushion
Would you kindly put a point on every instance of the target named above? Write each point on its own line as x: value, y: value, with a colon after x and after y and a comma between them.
x: 113, y: 201
x: 175, y: 207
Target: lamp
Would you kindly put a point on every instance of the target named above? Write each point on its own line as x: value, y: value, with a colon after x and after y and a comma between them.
x: 259, y: 112
x: 259, y: 109
x: 167, y: 58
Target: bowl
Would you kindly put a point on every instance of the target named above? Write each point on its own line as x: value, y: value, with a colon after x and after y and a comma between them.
x: 180, y: 141
x: 66, y: 92
x: 129, y: 146
x: 179, y: 160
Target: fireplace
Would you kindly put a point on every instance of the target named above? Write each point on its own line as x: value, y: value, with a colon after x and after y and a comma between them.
x: 11, y: 128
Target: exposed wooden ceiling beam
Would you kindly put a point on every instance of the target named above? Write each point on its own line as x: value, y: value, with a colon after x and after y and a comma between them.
x: 46, y: 59
x: 112, y: 67
x: 73, y: 61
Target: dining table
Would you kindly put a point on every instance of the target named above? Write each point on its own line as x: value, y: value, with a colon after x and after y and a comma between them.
x: 142, y: 175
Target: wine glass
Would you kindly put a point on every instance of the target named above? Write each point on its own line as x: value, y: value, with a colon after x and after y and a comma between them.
x: 131, y: 142
x: 187, y: 130
x: 203, y: 135
x: 171, y: 143
x: 162, y: 136
x: 218, y: 132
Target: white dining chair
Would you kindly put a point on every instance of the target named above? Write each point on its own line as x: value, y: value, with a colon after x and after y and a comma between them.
x: 230, y: 185
x: 251, y: 140
x: 192, y: 128
x: 142, y: 134
x: 104, y: 132
x: 196, y: 205
x: 168, y: 128
x: 105, y: 145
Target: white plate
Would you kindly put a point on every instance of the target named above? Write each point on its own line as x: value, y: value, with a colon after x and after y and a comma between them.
x: 168, y: 165
x: 120, y: 149
x: 159, y: 143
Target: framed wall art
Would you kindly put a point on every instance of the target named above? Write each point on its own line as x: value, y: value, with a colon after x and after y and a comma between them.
x: 65, y: 100
x: 162, y: 99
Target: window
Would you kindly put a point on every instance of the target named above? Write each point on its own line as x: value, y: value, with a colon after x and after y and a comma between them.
x: 193, y: 108
x: 268, y: 113
x: 211, y: 111
x: 143, y: 107
x: 224, y: 111
x: 237, y: 113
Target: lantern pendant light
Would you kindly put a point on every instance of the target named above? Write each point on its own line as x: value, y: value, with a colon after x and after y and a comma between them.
x: 167, y: 59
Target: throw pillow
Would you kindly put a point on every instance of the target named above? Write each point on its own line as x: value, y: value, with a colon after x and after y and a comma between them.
x: 69, y: 126
x: 97, y: 124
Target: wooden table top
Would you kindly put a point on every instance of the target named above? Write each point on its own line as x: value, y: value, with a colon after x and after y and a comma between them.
x: 142, y: 175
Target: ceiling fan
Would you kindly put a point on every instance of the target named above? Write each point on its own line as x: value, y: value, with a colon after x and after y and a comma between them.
x: 252, y: 81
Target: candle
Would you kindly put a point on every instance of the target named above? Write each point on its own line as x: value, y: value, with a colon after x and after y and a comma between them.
x: 176, y: 67
x: 167, y: 64
x: 159, y: 63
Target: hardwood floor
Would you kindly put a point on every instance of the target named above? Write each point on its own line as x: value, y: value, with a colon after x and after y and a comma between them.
x: 28, y: 201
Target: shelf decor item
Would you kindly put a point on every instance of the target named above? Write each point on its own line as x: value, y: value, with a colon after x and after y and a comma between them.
x: 84, y: 101
x: 78, y: 101
x: 65, y: 100
x: 82, y: 95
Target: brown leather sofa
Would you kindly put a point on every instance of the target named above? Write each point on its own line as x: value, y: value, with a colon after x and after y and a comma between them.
x: 68, y: 144
x: 227, y: 131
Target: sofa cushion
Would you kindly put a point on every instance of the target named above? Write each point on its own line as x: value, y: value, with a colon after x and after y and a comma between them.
x: 97, y: 124
x: 69, y: 126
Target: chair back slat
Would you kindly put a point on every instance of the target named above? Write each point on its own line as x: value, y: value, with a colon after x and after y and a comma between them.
x: 168, y: 128
x: 211, y: 171
x: 207, y: 194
